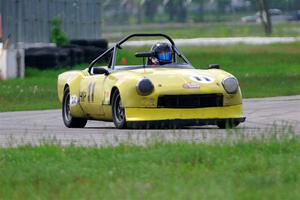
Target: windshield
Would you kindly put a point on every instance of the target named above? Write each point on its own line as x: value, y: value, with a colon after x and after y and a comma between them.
x: 126, y: 57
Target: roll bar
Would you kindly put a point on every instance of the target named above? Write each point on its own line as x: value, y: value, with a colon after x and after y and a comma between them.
x: 144, y: 35
x: 119, y: 46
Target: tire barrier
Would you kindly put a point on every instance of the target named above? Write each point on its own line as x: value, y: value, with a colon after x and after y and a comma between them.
x: 91, y: 52
x: 101, y: 43
x: 47, y: 57
x: 77, y: 52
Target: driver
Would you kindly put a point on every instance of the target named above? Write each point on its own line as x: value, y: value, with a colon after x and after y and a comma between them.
x: 162, y: 54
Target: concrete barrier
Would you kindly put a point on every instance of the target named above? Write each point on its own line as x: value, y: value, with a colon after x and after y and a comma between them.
x: 11, y: 63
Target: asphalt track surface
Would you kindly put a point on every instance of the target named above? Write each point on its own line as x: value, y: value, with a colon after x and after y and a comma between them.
x: 275, y: 116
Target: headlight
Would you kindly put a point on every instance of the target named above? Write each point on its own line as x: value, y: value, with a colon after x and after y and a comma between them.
x: 231, y: 85
x: 144, y: 87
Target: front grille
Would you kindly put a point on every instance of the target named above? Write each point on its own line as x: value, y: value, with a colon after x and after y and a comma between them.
x: 190, y: 101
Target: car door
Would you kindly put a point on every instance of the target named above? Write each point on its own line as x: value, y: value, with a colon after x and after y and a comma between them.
x: 91, y: 94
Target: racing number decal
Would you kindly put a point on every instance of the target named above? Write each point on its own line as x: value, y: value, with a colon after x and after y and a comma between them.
x: 90, y: 96
x: 91, y: 91
x: 82, y: 96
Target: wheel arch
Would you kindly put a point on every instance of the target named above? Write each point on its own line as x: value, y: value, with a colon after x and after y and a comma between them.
x: 127, y: 90
x: 74, y: 84
x: 69, y: 120
x: 66, y: 86
x: 115, y: 88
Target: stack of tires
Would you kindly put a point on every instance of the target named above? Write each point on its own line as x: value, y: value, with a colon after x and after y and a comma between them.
x: 77, y: 52
x: 91, y: 48
x: 47, y: 57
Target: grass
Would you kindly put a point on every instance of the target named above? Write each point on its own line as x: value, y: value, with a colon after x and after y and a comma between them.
x: 36, y: 91
x: 203, y: 30
x: 242, y: 170
x: 263, y: 71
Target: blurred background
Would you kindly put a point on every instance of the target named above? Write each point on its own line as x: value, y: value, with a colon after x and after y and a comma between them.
x: 226, y: 15
x: 107, y: 16
x: 32, y: 20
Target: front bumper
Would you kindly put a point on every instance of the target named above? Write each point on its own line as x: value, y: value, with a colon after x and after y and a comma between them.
x: 202, y: 115
x: 177, y: 123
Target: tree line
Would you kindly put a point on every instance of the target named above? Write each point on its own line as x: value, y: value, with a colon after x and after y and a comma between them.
x: 149, y: 11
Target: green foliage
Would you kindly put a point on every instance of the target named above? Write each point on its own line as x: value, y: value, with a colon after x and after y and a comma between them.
x: 243, y: 170
x: 57, y: 35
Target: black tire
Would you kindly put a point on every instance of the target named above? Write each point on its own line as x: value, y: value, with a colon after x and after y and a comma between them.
x: 30, y: 57
x: 91, y: 52
x: 69, y: 121
x: 80, y: 42
x: 64, y: 57
x: 48, y: 57
x: 227, y: 124
x: 101, y: 43
x: 118, y: 112
x: 46, y: 60
x: 76, y: 54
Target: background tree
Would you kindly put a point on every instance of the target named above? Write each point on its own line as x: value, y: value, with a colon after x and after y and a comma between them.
x: 57, y: 35
x: 150, y: 9
x: 200, y: 10
x: 265, y: 16
x: 222, y: 6
x: 170, y: 7
x: 285, y: 4
x: 177, y: 9
x: 140, y: 10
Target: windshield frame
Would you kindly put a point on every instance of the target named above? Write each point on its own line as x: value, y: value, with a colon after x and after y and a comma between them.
x: 118, y: 45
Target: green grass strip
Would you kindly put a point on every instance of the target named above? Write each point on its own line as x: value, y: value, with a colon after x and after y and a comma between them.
x: 243, y: 170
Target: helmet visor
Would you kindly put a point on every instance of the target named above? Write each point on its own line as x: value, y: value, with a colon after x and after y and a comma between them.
x: 166, y: 56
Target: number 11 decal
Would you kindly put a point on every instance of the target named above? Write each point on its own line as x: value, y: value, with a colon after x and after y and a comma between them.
x: 91, y: 91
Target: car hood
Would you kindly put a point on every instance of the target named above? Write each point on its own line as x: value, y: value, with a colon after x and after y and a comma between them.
x: 166, y: 80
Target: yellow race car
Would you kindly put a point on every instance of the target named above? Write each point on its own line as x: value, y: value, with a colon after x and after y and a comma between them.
x: 162, y: 90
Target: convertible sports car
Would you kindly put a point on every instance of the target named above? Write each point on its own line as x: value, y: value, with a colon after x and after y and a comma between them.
x: 169, y: 93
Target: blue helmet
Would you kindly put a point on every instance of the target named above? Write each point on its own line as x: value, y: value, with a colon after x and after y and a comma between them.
x: 162, y: 52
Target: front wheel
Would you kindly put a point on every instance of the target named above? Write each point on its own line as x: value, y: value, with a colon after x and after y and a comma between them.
x: 69, y: 121
x: 118, y: 111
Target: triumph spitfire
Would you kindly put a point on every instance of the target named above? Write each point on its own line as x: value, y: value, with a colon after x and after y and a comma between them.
x: 162, y: 90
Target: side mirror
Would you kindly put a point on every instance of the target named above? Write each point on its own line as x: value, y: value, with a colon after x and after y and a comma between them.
x: 213, y: 66
x: 100, y: 70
